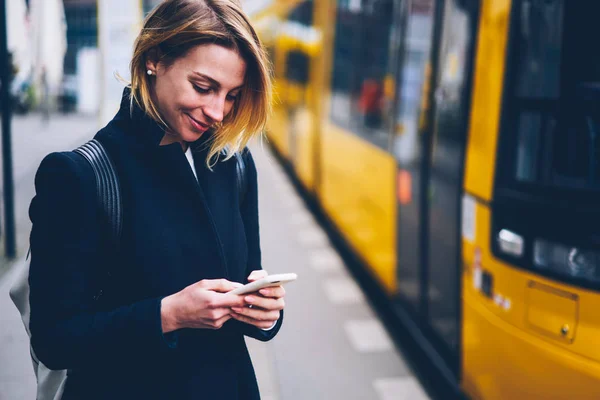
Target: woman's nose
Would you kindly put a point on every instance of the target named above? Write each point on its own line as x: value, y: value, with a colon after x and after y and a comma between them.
x: 215, y: 110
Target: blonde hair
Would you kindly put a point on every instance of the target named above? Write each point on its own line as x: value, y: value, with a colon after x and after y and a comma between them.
x: 176, y: 26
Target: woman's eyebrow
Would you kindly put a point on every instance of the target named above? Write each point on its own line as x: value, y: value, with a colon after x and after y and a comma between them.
x: 213, y: 81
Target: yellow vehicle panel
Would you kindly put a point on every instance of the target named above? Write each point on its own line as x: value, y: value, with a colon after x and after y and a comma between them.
x: 515, y: 343
x: 305, y: 141
x: 277, y: 130
x: 292, y: 130
x: 487, y: 88
x: 508, y: 363
x: 297, y: 105
x: 358, y: 194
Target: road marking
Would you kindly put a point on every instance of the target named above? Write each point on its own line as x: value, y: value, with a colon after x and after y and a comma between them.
x: 405, y: 388
x: 343, y: 291
x: 325, y: 260
x: 312, y: 237
x: 368, y: 336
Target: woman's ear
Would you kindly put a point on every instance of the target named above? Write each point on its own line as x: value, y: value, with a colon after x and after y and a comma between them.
x: 152, y: 60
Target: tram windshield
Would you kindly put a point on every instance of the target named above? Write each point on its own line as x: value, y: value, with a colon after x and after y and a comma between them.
x: 552, y: 115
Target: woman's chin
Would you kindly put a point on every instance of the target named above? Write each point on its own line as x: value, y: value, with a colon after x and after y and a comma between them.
x: 191, y: 135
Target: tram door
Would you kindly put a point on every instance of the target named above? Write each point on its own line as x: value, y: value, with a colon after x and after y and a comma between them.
x: 302, y: 46
x: 431, y: 169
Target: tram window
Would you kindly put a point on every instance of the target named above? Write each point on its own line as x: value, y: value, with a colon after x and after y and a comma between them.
x: 413, y: 86
x: 303, y: 13
x: 297, y: 67
x: 540, y: 46
x: 298, y: 26
x: 361, y: 73
x: 554, y: 113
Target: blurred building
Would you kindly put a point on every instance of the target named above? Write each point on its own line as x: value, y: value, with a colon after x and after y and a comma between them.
x: 18, y: 35
x: 80, y: 62
x: 48, y: 46
x: 82, y: 29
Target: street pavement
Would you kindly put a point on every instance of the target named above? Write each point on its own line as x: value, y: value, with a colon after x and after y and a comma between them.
x: 331, y: 346
x: 32, y: 139
x: 17, y: 381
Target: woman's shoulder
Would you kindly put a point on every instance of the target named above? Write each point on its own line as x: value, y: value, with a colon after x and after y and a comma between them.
x: 64, y: 169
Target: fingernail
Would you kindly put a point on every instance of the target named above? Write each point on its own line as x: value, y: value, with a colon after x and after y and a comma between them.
x: 236, y: 309
x: 263, y: 291
x: 249, y: 299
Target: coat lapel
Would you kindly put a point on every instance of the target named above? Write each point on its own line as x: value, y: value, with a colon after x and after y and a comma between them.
x: 173, y: 158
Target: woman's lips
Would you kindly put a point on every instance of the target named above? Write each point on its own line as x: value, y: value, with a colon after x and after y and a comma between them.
x: 197, y: 125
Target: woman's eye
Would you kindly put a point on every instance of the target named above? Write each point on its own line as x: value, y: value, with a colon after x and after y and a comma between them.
x: 231, y: 97
x: 201, y: 89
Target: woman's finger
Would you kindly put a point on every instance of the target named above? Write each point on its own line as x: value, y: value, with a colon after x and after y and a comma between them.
x: 219, y: 300
x: 257, y: 313
x: 263, y: 324
x: 265, y: 303
x: 257, y: 274
x: 217, y: 285
x: 218, y: 324
x: 273, y: 292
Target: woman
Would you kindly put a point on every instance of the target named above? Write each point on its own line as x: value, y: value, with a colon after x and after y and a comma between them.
x: 166, y: 327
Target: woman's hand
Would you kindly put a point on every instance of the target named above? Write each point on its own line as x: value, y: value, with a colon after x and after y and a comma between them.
x: 202, y: 305
x: 264, y: 306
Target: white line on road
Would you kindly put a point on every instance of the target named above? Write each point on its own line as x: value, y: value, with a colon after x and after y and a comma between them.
x: 368, y: 336
x: 343, y: 291
x: 312, y: 237
x: 404, y: 388
x: 325, y: 260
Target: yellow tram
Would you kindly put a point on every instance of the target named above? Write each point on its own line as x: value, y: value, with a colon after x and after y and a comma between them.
x: 454, y: 145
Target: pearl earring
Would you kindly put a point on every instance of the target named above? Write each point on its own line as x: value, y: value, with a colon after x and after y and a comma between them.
x: 150, y: 72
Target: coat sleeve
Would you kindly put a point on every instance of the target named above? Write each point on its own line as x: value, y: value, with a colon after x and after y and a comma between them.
x: 66, y: 257
x: 249, y: 210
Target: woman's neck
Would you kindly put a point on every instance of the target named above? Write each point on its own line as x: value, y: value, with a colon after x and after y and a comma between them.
x: 170, y: 139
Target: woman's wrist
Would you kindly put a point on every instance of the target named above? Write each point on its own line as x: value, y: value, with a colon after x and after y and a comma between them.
x: 168, y: 314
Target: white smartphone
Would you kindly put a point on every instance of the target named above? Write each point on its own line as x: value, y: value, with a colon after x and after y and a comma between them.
x: 268, y: 281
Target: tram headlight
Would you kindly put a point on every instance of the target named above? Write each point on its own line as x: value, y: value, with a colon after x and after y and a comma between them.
x: 566, y: 260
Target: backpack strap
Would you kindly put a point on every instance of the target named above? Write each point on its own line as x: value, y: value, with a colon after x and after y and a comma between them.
x: 107, y: 186
x: 241, y: 175
x: 109, y: 196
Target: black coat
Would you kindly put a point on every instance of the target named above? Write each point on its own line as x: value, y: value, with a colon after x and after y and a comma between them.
x: 175, y: 232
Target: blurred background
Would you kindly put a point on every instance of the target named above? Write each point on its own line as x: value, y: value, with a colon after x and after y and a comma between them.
x: 431, y: 170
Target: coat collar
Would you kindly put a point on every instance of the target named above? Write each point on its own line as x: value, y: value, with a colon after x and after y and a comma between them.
x: 148, y: 133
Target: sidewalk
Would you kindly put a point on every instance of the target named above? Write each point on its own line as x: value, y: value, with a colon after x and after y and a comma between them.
x: 32, y: 140
x: 17, y: 381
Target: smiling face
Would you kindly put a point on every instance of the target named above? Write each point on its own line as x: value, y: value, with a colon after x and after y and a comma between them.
x: 197, y: 90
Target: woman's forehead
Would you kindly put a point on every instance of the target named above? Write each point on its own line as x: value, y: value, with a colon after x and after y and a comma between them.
x: 217, y: 64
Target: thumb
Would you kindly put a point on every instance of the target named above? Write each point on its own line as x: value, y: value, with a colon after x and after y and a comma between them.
x: 218, y: 285
x: 257, y: 274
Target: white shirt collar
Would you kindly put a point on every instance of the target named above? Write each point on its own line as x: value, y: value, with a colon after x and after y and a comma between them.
x: 190, y: 158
